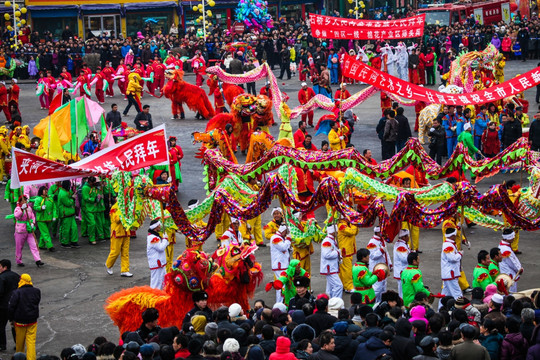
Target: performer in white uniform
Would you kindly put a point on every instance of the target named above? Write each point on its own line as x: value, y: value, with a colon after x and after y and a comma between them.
x: 510, y: 264
x: 401, y: 251
x: 232, y: 236
x: 330, y: 259
x: 378, y: 254
x: 155, y: 251
x: 280, y: 246
x: 450, y: 265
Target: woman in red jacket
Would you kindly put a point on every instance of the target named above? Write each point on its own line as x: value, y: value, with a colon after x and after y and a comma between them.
x: 491, y: 145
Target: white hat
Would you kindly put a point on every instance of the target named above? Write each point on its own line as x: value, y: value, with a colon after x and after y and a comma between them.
x: 335, y: 303
x: 282, y: 228
x: 231, y: 345
x: 278, y: 209
x: 467, y: 126
x: 331, y: 229
x: 403, y: 233
x: 234, y: 220
x: 193, y: 205
x: 377, y: 229
x: 235, y: 310
x: 497, y: 298
x: 281, y: 306
x: 304, y: 84
x: 154, y: 224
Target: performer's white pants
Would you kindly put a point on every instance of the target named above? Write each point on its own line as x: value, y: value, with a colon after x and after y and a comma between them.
x: 334, y: 286
x: 379, y: 287
x: 279, y: 297
x: 156, y: 278
x: 451, y: 288
x: 399, y: 289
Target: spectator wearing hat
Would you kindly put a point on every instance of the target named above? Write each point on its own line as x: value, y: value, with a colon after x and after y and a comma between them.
x: 473, y: 313
x: 429, y: 348
x: 283, y: 350
x: 378, y: 254
x: 232, y: 236
x: 200, y: 300
x: 280, y: 244
x: 304, y: 95
x: 146, y: 351
x: 495, y: 314
x: 301, y: 284
x: 149, y: 326
x: 232, y: 346
x: 236, y: 314
x: 510, y: 264
x: 375, y: 346
x: 23, y: 311
x: 401, y: 251
x: 330, y: 259
x: 155, y: 251
x: 522, y: 117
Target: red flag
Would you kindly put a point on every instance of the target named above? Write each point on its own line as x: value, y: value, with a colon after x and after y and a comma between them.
x: 55, y: 103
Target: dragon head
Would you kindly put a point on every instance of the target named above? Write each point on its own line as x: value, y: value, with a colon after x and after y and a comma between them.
x: 174, y: 74
x: 237, y: 262
x: 191, y: 271
x: 244, y: 105
x: 263, y: 104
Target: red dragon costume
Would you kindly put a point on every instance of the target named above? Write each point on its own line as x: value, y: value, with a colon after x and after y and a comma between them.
x: 230, y: 91
x: 229, y: 276
x: 181, y: 92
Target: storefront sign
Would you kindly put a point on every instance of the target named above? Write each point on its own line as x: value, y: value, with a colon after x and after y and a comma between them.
x: 357, y: 70
x: 329, y: 27
x: 149, y: 148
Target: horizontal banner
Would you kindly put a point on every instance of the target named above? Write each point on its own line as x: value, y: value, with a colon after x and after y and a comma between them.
x: 149, y: 148
x: 357, y: 70
x: 329, y: 27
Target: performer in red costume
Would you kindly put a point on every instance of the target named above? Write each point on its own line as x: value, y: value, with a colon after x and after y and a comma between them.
x: 159, y: 74
x: 304, y: 95
x: 108, y: 75
x: 4, y: 101
x: 175, y: 155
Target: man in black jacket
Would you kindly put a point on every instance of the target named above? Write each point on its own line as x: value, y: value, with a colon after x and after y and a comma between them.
x: 9, y: 281
x: 534, y: 134
x: 143, y: 120
x: 512, y: 131
x: 437, y: 141
x: 285, y: 64
x: 113, y: 117
x: 200, y: 300
x: 404, y: 129
x: 321, y: 320
x: 403, y: 346
x: 23, y: 310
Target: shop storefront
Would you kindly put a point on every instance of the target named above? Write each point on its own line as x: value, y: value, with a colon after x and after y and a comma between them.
x: 158, y: 15
x: 101, y: 20
x: 102, y: 17
x: 54, y: 18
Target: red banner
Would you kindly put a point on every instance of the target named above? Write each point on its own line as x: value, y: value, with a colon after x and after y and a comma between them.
x: 355, y: 69
x: 329, y: 27
x: 149, y: 148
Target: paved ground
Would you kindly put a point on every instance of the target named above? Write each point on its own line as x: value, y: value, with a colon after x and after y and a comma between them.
x: 74, y: 283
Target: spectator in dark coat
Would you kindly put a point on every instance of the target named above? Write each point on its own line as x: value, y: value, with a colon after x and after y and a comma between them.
x: 375, y: 346
x: 514, y: 345
x: 527, y: 323
x: 321, y: 320
x: 404, y: 129
x: 9, y: 281
x: 372, y: 328
x: 534, y: 133
x: 511, y: 132
x: 534, y: 350
x: 403, y: 346
x: 345, y: 346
